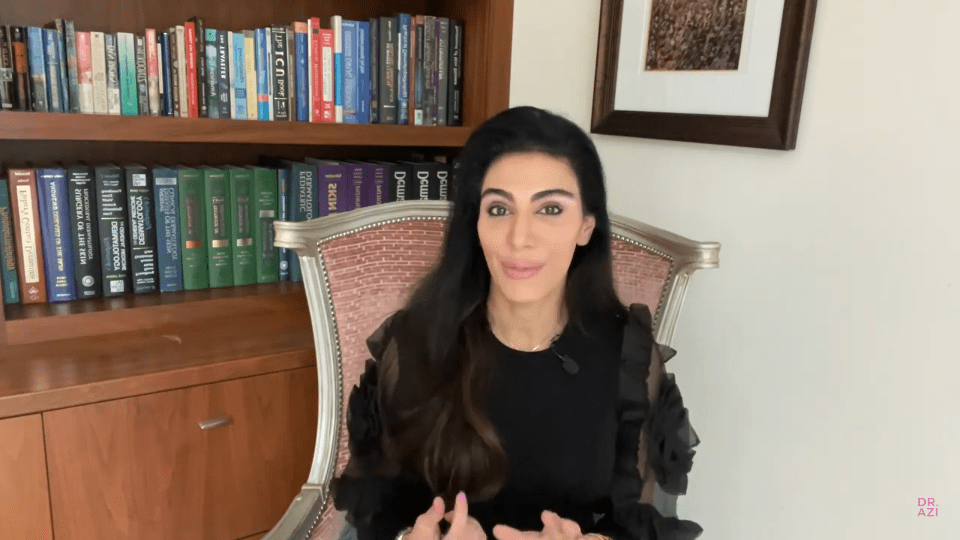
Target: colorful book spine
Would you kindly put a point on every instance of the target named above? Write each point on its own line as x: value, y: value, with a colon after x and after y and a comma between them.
x: 73, y: 74
x: 376, y: 186
x: 301, y: 57
x: 280, y: 72
x: 190, y: 59
x: 167, y: 204
x: 260, y: 38
x: 143, y: 234
x: 356, y: 173
x: 328, y: 111
x: 265, y: 213
x: 363, y: 72
x: 403, y: 69
x: 284, y: 189
x: 239, y: 62
x: 216, y: 209
x: 98, y: 68
x: 387, y: 94
x: 303, y: 202
x: 84, y: 232
x: 38, y: 69
x: 419, y: 87
x: 153, y: 72
x: 8, y: 249
x: 333, y: 182
x: 242, y: 204
x: 350, y: 72
x: 126, y: 62
x: 336, y: 25
x: 314, y: 69
x: 143, y: 88
x: 203, y: 91
x: 85, y: 72
x: 182, y: 70
x: 193, y: 244
x: 455, y: 84
x: 250, y: 69
x: 26, y: 225
x: 374, y: 70
x: 51, y: 51
x: 113, y: 73
x: 59, y: 28
x: 112, y: 226
x: 55, y: 235
x: 223, y: 74
x: 213, y: 70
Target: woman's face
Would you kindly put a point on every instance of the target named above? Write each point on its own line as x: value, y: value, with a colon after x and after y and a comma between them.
x: 531, y: 221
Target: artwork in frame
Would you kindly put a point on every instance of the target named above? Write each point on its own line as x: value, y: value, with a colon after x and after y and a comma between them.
x: 711, y: 71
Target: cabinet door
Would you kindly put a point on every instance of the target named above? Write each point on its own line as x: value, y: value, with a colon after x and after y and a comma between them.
x: 212, y: 462
x: 24, y: 499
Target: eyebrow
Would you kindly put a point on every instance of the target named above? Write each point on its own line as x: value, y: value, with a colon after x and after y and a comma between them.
x: 536, y: 196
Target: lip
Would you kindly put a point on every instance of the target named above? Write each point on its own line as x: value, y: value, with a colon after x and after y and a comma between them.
x: 520, y: 269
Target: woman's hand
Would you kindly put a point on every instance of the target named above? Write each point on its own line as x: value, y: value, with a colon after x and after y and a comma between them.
x: 554, y: 528
x: 462, y: 526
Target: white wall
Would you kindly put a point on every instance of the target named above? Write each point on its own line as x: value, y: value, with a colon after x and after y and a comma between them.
x: 819, y: 362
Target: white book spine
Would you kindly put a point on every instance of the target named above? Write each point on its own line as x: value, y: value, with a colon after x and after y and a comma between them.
x: 250, y: 66
x: 182, y: 72
x: 232, y: 75
x: 336, y: 23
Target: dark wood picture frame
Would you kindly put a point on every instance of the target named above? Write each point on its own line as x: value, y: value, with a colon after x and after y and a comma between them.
x: 778, y: 130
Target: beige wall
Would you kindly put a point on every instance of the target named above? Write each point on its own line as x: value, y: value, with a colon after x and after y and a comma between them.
x: 819, y: 362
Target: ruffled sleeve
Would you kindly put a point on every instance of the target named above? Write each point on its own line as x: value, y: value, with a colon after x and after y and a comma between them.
x: 367, y: 485
x: 654, y: 440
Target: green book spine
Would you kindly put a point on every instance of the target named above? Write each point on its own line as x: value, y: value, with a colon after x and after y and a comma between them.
x: 265, y: 213
x: 8, y: 257
x: 216, y: 208
x: 242, y: 205
x: 193, y: 245
x: 128, y: 74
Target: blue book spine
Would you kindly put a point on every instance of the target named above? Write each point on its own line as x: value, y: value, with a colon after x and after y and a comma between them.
x: 62, y: 65
x: 213, y: 71
x: 283, y: 202
x: 403, y: 76
x: 55, y: 235
x: 8, y: 249
x: 167, y: 74
x: 240, y: 75
x: 38, y: 69
x: 167, y: 208
x: 363, y: 73
x: 263, y: 76
x: 338, y: 76
x: 302, y: 44
x: 51, y: 47
x: 127, y: 64
x: 350, y: 72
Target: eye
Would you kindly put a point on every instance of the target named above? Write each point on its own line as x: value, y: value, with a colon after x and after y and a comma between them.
x: 552, y: 210
x: 494, y: 210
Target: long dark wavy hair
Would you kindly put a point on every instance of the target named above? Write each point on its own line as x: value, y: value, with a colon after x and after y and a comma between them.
x: 436, y: 423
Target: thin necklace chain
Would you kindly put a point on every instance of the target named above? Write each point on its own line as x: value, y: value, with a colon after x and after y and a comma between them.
x: 535, y: 349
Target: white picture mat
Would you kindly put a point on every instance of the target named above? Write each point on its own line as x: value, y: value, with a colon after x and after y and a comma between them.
x: 745, y: 92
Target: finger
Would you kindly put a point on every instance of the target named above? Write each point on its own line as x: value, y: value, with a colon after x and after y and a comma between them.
x: 571, y: 529
x: 429, y: 519
x: 551, y: 523
x: 459, y: 520
x: 504, y: 532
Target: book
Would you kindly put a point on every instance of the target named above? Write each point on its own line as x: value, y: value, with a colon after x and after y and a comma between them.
x: 166, y: 197
x: 98, y: 67
x: 374, y: 70
x: 443, y: 58
x: 242, y: 205
x: 260, y: 38
x: 143, y: 90
x: 303, y: 201
x: 349, y: 63
x: 26, y: 226
x: 363, y: 72
x: 143, y: 233
x: 284, y: 194
x: 238, y: 61
x: 291, y: 74
x: 375, y: 184
x: 216, y: 210
x: 127, y: 64
x: 336, y: 25
x: 280, y: 72
x: 113, y: 229
x: 429, y: 70
x: 455, y: 83
x: 113, y: 73
x: 224, y: 99
x: 419, y: 83
x: 387, y: 94
x: 85, y: 72
x: 328, y: 111
x: 203, y: 90
x: 336, y: 186
x: 190, y: 61
x: 400, y: 182
x: 175, y: 67
x: 302, y: 69
x: 55, y: 235
x: 213, y: 74
x: 411, y: 73
x: 250, y: 69
x: 51, y: 52
x: 403, y: 68
x: 84, y: 232
x: 21, y: 70
x: 193, y: 224
x: 8, y: 249
x: 153, y: 72
x: 73, y: 75
x: 59, y: 29
x: 183, y: 91
x: 265, y: 208
x: 7, y: 94
x: 38, y: 69
x: 231, y: 74
x: 166, y: 77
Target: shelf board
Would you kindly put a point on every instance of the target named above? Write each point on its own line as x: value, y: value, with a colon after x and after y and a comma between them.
x: 18, y: 125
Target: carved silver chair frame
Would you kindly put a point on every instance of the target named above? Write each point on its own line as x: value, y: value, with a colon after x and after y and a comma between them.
x: 306, y: 238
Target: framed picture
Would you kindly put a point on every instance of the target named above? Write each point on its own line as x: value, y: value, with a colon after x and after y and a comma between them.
x: 711, y: 71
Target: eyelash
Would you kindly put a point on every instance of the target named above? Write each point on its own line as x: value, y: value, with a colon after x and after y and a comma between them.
x: 493, y: 206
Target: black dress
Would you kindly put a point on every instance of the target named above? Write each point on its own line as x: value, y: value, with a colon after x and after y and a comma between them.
x: 572, y: 440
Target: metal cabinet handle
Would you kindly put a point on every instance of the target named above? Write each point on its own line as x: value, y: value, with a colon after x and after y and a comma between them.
x: 216, y: 422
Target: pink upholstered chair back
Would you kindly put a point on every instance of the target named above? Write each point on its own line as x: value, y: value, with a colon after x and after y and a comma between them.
x: 360, y: 267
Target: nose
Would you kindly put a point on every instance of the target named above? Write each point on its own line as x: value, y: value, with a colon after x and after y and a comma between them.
x: 521, y: 232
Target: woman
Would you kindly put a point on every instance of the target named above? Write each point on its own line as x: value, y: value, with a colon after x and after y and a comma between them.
x: 507, y: 398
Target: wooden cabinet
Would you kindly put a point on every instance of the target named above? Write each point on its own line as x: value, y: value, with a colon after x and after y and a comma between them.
x: 24, y: 499
x: 210, y: 462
